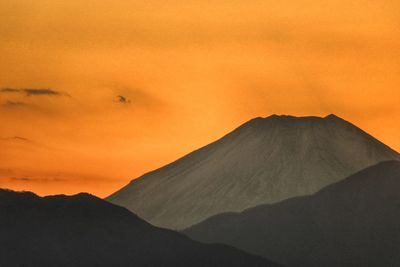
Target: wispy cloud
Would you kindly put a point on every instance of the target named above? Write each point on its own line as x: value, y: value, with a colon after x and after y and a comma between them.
x: 30, y: 92
x: 15, y: 138
x: 31, y: 179
x: 14, y: 104
x: 33, y: 91
x: 29, y: 98
x: 9, y: 90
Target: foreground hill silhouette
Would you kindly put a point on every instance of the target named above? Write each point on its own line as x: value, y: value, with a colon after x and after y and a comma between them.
x: 266, y: 160
x: 83, y: 230
x: 355, y: 222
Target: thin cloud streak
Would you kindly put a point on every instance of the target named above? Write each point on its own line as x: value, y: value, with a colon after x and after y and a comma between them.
x: 17, y: 138
x: 37, y: 180
x: 34, y: 91
x: 14, y: 104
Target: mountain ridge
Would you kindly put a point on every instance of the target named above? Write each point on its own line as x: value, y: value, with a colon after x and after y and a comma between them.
x: 83, y: 230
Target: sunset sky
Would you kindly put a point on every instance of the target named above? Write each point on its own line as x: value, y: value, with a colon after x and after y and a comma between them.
x: 95, y: 93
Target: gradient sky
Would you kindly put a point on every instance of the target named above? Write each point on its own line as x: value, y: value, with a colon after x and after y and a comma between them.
x: 94, y: 93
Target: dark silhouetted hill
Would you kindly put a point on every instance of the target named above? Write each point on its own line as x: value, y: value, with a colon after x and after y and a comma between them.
x: 355, y: 222
x: 83, y: 230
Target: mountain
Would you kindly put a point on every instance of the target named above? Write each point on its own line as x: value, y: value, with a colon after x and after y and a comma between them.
x: 355, y: 222
x: 83, y: 230
x: 266, y: 160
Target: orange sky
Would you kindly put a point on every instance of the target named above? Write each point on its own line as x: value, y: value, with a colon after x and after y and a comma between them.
x: 190, y: 72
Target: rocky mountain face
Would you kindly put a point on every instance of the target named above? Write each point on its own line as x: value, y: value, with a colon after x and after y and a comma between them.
x: 266, y: 160
x: 83, y: 230
x: 355, y: 222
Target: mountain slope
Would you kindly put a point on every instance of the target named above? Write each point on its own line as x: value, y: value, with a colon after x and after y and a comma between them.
x: 83, y: 230
x: 355, y: 222
x: 266, y: 160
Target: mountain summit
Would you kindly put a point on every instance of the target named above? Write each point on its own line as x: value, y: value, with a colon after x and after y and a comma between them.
x: 265, y: 160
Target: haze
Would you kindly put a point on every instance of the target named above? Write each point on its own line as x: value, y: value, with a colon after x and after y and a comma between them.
x: 95, y: 93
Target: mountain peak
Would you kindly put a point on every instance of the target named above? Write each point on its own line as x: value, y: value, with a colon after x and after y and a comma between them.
x: 332, y: 116
x: 292, y: 118
x: 267, y: 123
x: 264, y: 161
x: 286, y: 116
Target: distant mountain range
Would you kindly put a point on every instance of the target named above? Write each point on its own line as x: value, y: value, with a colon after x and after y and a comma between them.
x: 83, y: 230
x: 354, y: 222
x: 264, y: 161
